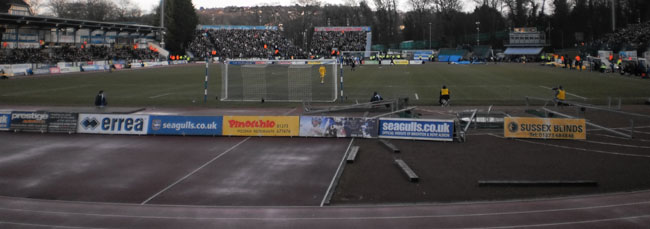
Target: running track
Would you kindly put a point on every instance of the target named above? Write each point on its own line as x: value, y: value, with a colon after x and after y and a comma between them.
x: 622, y: 210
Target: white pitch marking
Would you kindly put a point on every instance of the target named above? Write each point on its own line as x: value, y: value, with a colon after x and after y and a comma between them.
x: 571, y: 94
x: 322, y: 203
x: 196, y: 170
x: 161, y: 95
x: 44, y: 90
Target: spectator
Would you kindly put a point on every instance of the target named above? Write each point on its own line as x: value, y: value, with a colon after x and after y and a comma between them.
x: 100, y: 99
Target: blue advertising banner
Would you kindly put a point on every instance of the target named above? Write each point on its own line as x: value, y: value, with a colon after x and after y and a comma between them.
x: 5, y: 120
x: 186, y: 125
x: 422, y: 129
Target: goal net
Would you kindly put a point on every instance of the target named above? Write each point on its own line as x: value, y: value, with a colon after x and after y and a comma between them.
x: 279, y: 80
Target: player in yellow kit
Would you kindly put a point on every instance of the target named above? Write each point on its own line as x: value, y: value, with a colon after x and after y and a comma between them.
x: 322, y: 72
x: 560, y: 95
x: 444, y: 96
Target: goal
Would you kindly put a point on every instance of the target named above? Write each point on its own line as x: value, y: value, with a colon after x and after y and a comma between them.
x: 279, y: 81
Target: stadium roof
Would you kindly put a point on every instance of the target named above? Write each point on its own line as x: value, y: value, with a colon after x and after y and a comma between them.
x: 53, y: 22
x: 523, y: 51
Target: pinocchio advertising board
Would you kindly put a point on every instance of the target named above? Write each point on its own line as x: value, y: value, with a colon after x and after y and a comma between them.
x: 261, y: 125
x: 545, y: 128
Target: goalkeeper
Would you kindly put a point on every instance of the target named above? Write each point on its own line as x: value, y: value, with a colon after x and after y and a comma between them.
x: 322, y: 72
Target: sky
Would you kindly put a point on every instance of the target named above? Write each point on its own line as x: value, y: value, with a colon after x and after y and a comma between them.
x: 147, y: 5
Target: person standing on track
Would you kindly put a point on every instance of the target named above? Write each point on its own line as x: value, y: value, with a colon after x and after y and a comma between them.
x: 322, y: 72
x: 444, y: 96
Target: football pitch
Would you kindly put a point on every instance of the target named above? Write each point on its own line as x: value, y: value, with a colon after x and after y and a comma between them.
x: 181, y: 86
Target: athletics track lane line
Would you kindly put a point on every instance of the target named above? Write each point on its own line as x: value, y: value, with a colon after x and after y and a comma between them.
x: 193, y: 172
x: 575, y: 148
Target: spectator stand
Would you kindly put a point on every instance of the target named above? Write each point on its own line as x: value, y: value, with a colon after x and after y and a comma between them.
x: 243, y: 42
x: 25, y: 31
x: 326, y: 39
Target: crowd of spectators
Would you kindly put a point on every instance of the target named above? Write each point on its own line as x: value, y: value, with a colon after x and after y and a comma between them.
x: 73, y: 54
x: 271, y: 44
x: 633, y: 36
x: 237, y: 43
x: 322, y: 43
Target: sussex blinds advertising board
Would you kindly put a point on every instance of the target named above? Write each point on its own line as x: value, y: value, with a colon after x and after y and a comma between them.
x: 325, y: 126
x: 261, y: 125
x: 186, y: 125
x: 113, y: 124
x: 544, y: 128
x: 420, y: 129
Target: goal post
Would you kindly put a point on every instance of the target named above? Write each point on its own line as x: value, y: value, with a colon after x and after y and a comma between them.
x: 279, y: 80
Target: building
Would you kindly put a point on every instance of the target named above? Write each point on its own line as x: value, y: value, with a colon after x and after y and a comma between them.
x: 15, y: 7
x: 526, y: 42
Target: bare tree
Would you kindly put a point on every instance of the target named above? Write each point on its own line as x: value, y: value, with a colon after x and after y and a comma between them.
x: 446, y: 5
x: 308, y: 2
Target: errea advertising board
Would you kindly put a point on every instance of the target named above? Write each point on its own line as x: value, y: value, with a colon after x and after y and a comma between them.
x: 261, y: 125
x: 113, y: 124
x: 544, y: 128
x: 186, y: 125
x: 420, y: 129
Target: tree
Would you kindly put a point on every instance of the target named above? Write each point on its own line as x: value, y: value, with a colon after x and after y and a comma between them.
x: 180, y: 24
x: 387, y: 18
x: 446, y: 5
x: 559, y: 22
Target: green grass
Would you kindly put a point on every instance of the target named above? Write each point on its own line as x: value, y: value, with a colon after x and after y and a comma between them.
x: 504, y: 84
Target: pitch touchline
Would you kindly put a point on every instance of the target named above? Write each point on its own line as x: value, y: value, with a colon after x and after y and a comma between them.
x: 196, y: 170
x: 574, y: 95
x: 44, y: 90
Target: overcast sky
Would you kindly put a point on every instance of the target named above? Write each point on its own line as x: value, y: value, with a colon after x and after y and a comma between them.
x: 147, y: 5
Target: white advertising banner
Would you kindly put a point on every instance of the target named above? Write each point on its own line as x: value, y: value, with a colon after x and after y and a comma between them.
x: 113, y: 124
